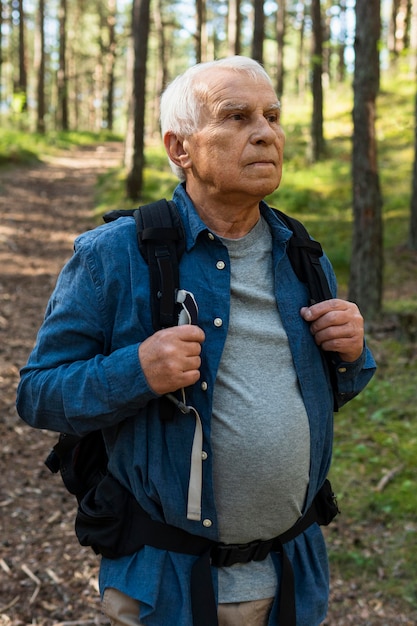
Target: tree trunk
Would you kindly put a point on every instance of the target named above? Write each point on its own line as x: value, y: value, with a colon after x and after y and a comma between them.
x: 365, y: 287
x: 317, y: 136
x: 62, y: 70
x: 300, y: 74
x: 201, y: 31
x: 111, y: 62
x: 40, y: 67
x: 161, y: 74
x: 399, y: 27
x: 413, y: 38
x: 163, y: 55
x: 22, y: 85
x: 326, y: 47
x: 341, y: 47
x: 392, y: 28
x: 140, y: 33
x: 258, y: 31
x: 1, y: 51
x: 408, y: 8
x: 234, y: 20
x: 412, y: 240
x: 281, y: 13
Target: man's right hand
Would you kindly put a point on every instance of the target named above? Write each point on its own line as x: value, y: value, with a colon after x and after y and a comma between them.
x: 170, y: 358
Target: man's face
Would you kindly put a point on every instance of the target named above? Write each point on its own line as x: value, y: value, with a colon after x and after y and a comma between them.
x: 238, y: 150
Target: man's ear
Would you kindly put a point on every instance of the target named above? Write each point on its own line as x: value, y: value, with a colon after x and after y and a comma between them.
x: 176, y: 150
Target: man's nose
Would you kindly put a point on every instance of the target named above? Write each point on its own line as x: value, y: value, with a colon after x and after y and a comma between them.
x: 262, y: 131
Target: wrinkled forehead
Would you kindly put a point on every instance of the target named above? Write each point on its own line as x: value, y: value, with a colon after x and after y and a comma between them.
x: 217, y: 85
x: 214, y: 80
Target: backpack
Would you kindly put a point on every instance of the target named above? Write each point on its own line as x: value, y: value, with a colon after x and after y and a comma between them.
x: 82, y: 461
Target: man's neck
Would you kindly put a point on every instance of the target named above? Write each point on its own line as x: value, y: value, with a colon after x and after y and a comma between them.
x: 227, y: 219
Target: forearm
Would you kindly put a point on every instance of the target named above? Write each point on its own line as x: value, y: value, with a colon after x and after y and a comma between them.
x: 82, y: 396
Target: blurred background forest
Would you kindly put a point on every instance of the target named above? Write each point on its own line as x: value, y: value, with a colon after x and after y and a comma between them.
x: 71, y: 65
x: 74, y: 73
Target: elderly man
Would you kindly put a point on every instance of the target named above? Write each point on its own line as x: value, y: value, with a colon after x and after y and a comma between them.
x: 252, y: 368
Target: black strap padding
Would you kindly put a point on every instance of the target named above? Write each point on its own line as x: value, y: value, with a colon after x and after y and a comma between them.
x: 161, y: 241
x: 111, y: 216
x: 304, y: 254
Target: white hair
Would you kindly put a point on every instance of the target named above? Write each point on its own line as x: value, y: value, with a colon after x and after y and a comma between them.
x: 182, y: 99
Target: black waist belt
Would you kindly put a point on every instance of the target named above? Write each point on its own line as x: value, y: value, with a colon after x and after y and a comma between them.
x: 112, y: 522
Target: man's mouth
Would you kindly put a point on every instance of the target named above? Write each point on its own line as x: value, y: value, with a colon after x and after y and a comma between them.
x: 262, y: 162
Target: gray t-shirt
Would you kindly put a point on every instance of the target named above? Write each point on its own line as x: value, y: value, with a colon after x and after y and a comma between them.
x: 260, y: 430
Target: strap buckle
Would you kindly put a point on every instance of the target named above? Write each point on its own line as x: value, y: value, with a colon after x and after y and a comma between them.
x: 225, y: 555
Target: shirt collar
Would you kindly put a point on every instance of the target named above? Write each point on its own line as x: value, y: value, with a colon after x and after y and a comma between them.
x: 278, y: 229
x: 193, y: 224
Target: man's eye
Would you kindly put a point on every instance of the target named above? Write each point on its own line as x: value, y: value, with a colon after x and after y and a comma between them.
x: 237, y: 116
x: 272, y: 118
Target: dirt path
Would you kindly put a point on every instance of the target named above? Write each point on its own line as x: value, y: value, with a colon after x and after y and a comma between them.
x: 46, y: 578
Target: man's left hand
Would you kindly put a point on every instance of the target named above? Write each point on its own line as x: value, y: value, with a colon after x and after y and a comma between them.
x: 337, y: 326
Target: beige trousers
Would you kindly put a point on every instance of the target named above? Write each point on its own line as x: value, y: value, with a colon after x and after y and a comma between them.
x: 124, y: 611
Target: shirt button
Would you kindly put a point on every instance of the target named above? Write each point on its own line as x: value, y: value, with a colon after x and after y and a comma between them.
x: 204, y: 455
x: 210, y: 236
x: 218, y: 322
x: 207, y: 523
x: 220, y: 265
x: 341, y: 370
x: 204, y: 386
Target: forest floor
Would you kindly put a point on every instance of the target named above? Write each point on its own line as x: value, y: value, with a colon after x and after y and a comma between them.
x: 46, y: 578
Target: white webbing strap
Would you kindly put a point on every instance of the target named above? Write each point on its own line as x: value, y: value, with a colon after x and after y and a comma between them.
x: 195, y: 484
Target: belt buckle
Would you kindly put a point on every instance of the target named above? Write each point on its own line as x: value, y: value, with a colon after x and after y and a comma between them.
x: 225, y: 555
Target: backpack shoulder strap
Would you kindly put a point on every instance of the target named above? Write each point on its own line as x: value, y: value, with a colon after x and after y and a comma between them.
x: 161, y: 241
x: 111, y: 216
x: 304, y: 254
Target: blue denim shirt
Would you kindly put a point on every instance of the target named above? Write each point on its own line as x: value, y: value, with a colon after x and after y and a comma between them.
x: 84, y: 374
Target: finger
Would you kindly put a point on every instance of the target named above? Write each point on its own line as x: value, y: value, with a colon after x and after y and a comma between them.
x: 340, y: 321
x: 315, y: 311
x: 347, y: 349
x: 333, y: 333
x: 186, y: 332
x: 192, y: 362
x: 190, y: 348
x: 344, y: 340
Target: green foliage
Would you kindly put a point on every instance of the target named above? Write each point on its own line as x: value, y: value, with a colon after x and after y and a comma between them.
x: 22, y: 148
x: 64, y: 140
x: 19, y: 148
x: 159, y: 182
x: 374, y: 474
